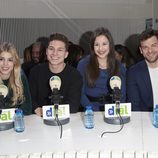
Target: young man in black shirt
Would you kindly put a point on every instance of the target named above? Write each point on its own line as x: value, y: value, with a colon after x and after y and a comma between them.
x: 71, y: 81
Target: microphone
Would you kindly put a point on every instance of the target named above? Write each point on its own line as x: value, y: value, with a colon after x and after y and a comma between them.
x: 55, y: 112
x: 117, y: 113
x: 3, y: 90
x: 3, y: 94
x: 115, y: 81
x: 115, y: 84
x: 55, y: 84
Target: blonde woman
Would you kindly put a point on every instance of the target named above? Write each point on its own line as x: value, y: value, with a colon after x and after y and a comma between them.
x: 12, y: 77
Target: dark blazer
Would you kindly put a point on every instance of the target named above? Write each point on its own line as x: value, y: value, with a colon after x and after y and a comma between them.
x: 139, y: 89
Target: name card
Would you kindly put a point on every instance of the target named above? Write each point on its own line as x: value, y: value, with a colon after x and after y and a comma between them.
x: 111, y: 110
x: 7, y: 115
x: 49, y: 111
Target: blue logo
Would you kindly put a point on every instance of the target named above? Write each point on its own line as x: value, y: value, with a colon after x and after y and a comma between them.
x: 113, y: 110
x: 49, y: 112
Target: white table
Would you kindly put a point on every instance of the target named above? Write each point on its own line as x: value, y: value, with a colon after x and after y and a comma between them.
x: 138, y: 134
x: 149, y: 133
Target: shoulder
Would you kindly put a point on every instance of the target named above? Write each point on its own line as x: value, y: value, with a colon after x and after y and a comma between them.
x: 40, y: 68
x: 84, y: 61
x: 28, y: 66
x: 122, y: 67
x: 71, y: 74
x: 23, y: 78
x: 71, y: 70
x: 138, y: 67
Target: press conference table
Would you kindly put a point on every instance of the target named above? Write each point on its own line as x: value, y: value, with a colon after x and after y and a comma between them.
x: 138, y: 134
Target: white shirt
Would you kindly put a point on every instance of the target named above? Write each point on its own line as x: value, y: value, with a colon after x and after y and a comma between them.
x: 154, y: 82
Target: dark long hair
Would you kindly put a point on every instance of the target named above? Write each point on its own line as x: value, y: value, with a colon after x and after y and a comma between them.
x: 93, y: 65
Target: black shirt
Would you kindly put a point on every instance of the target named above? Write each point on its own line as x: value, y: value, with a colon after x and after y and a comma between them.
x: 71, y: 84
x: 26, y: 105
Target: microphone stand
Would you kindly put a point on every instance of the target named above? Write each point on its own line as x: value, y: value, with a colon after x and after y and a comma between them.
x: 115, y: 120
x: 56, y: 100
x: 116, y: 97
x: 117, y: 103
x: 2, y: 102
x: 57, y: 119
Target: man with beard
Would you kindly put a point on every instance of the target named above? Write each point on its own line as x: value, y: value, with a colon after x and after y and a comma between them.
x: 142, y: 84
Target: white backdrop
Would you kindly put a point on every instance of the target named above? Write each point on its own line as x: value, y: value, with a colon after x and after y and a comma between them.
x: 22, y: 21
x: 23, y: 32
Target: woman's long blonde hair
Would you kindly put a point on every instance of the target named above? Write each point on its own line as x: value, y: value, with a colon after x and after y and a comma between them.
x: 15, y: 83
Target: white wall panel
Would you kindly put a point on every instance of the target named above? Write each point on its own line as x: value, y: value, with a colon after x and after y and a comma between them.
x: 22, y: 21
x: 76, y: 9
x: 155, y: 13
x: 23, y: 32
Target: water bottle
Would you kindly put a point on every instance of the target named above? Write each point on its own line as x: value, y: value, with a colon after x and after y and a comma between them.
x: 89, y: 117
x: 19, y: 121
x: 155, y: 116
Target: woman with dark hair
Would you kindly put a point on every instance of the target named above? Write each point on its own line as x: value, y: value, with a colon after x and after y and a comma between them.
x: 97, y: 69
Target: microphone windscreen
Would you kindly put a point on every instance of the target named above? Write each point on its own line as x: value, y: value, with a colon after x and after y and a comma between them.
x: 3, y: 90
x: 115, y: 81
x: 55, y: 82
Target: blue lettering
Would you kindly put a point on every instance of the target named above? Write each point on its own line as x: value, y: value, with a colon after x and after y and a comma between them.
x: 111, y: 111
x: 49, y: 112
x: 123, y: 110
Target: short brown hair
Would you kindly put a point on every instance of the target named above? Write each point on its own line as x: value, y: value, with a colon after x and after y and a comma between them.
x: 59, y: 37
x: 147, y: 34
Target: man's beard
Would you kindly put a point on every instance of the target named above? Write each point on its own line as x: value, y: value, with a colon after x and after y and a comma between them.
x: 152, y: 61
